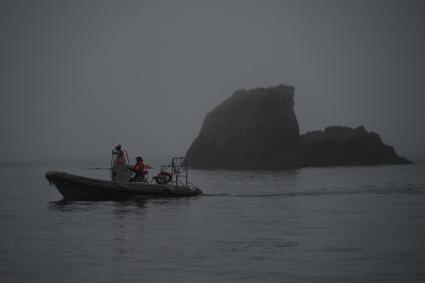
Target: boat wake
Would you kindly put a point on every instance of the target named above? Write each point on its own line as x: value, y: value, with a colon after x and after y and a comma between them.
x: 324, y: 192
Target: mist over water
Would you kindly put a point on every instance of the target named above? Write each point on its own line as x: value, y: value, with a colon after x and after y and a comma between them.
x: 357, y: 224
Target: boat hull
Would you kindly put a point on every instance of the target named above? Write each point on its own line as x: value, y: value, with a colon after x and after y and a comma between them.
x: 74, y: 187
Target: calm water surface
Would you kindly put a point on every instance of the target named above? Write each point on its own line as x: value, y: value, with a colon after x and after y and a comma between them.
x: 361, y: 224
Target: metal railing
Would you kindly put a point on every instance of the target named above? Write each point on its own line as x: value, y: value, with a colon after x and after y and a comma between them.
x: 179, y: 171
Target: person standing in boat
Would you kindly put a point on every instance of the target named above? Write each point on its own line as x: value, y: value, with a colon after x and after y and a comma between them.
x: 139, y: 170
x: 120, y: 172
x: 116, y: 150
x: 120, y: 155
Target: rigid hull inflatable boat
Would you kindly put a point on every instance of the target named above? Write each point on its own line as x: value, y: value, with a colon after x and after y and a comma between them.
x: 74, y: 187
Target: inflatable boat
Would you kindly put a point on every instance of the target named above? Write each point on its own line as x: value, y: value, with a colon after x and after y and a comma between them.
x: 74, y: 187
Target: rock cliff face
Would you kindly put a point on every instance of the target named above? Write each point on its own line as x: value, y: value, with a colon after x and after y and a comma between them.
x: 258, y: 129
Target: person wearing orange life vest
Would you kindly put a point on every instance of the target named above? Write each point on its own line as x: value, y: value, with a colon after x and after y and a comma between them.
x: 139, y: 170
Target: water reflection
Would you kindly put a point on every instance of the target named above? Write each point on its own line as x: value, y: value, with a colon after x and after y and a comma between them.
x: 67, y: 206
x: 174, y: 201
x: 134, y: 202
x: 123, y: 206
x: 129, y: 207
x: 132, y: 205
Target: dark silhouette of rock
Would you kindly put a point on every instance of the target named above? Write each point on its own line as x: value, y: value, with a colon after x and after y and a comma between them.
x: 338, y: 145
x: 258, y: 129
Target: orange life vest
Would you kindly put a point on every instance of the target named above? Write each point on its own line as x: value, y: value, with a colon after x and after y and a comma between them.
x: 139, y: 168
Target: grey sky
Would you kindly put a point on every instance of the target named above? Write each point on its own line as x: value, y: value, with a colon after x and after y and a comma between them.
x: 78, y: 77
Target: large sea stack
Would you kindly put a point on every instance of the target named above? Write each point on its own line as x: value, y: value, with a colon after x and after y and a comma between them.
x: 258, y: 129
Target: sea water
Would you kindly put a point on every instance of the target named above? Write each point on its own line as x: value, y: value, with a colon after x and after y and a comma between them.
x: 337, y: 224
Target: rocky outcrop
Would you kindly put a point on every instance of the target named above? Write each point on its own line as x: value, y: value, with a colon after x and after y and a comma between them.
x: 258, y: 129
x: 342, y: 146
x: 246, y: 129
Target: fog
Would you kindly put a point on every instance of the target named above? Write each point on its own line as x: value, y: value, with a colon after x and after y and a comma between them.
x: 78, y: 77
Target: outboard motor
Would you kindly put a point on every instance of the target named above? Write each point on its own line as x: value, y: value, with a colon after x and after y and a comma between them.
x: 119, y: 169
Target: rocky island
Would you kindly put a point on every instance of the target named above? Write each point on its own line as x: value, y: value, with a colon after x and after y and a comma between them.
x: 258, y: 129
